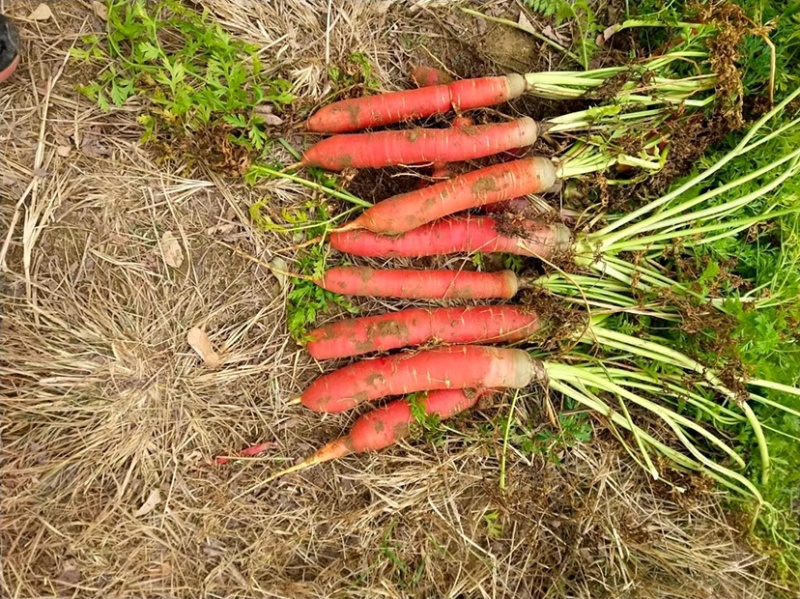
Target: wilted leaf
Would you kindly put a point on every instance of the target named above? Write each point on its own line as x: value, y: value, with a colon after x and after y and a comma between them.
x: 92, y: 146
x: 100, y: 10
x: 64, y: 151
x: 150, y: 504
x: 171, y: 248
x: 213, y: 548
x: 608, y: 32
x: 221, y: 229
x: 253, y: 450
x: 70, y: 574
x: 551, y: 33
x: 383, y: 7
x: 279, y: 269
x: 200, y: 342
x: 41, y: 13
x: 524, y: 22
x: 272, y: 120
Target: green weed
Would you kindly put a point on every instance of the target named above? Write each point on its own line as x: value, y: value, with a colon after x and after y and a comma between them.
x: 549, y: 442
x: 307, y: 300
x: 494, y: 528
x: 406, y: 576
x: 580, y: 12
x: 356, y: 71
x: 197, y: 84
x: 427, y: 426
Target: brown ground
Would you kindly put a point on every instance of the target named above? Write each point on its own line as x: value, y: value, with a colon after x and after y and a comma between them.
x: 110, y: 421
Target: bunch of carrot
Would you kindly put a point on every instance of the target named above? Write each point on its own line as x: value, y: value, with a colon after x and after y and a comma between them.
x: 453, y: 376
x: 425, y: 222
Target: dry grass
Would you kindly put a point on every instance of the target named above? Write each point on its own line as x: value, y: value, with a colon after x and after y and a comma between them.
x: 105, y: 404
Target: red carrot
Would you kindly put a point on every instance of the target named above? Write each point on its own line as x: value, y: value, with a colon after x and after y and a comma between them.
x: 384, y: 426
x: 429, y: 76
x: 455, y: 367
x: 419, y: 284
x: 459, y: 234
x: 488, y: 185
x: 384, y: 109
x: 419, y: 146
x: 416, y: 326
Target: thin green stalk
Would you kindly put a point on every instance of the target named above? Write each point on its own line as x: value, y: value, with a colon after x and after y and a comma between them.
x: 675, y: 215
x: 506, y: 433
x: 773, y: 404
x: 678, y: 392
x: 608, y: 233
x: 645, y: 348
x: 775, y: 387
x: 763, y: 449
x: 594, y: 403
x: 341, y: 195
x: 562, y: 377
x: 671, y: 418
x: 643, y: 243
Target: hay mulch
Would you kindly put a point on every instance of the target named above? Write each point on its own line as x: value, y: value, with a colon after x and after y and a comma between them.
x: 111, y: 422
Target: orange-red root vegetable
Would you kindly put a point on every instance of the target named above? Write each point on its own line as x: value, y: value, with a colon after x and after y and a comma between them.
x: 429, y: 76
x: 488, y: 185
x: 419, y: 146
x: 459, y: 234
x: 455, y: 367
x: 416, y: 326
x: 419, y: 284
x: 384, y: 426
x: 394, y: 107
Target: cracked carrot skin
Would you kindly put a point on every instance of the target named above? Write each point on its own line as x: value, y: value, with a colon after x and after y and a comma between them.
x: 484, y: 186
x: 417, y: 326
x: 419, y: 284
x: 455, y: 367
x: 458, y: 234
x: 420, y: 146
x: 393, y: 107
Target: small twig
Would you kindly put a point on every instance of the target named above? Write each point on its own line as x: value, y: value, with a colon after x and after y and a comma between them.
x: 302, y: 245
x: 266, y: 265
